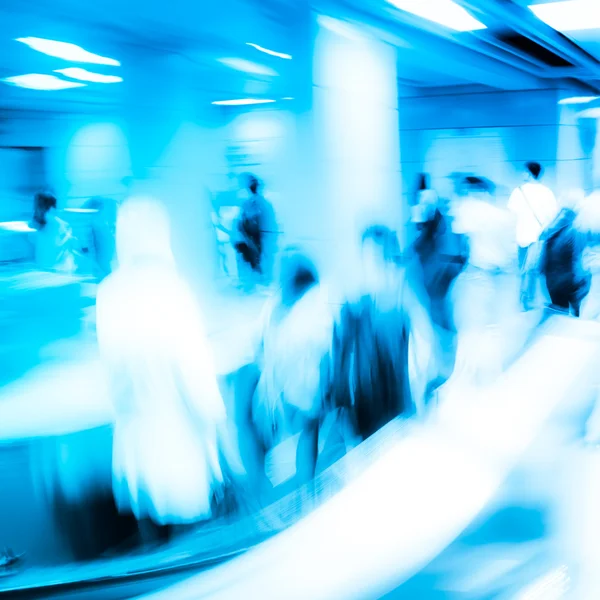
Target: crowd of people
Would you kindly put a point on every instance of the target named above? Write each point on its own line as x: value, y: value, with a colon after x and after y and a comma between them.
x: 384, y: 352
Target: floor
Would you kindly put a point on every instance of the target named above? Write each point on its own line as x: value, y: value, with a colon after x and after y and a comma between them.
x: 472, y: 506
x: 48, y: 400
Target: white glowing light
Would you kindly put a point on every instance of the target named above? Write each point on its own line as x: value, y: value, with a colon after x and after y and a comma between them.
x: 569, y: 15
x: 443, y: 12
x: 579, y: 100
x: 243, y: 101
x: 85, y: 75
x: 288, y: 98
x: 270, y: 52
x: 246, y: 66
x: 67, y: 51
x: 38, y: 81
x: 81, y: 210
x: 590, y: 113
x: 16, y: 226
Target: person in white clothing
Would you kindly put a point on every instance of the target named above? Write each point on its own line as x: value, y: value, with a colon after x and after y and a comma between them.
x: 297, y: 329
x: 169, y: 413
x: 482, y: 292
x: 53, y: 238
x: 535, y: 207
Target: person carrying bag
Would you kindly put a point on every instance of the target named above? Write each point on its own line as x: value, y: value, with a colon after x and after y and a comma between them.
x: 531, y: 258
x: 535, y: 207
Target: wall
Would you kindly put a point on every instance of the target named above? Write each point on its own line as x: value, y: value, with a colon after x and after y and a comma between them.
x: 329, y: 158
x: 487, y: 132
x: 159, y: 139
x: 263, y: 141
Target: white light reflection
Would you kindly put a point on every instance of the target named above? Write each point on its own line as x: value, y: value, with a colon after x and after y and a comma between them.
x: 571, y: 15
x: 38, y: 81
x: 81, y: 210
x: 246, y: 66
x: 67, y: 51
x: 16, y: 226
x: 443, y: 12
x: 578, y: 100
x: 270, y: 52
x: 243, y: 101
x: 590, y: 113
x: 85, y: 75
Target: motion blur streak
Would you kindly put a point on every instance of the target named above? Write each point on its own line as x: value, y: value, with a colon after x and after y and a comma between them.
x: 451, y: 473
x: 299, y: 299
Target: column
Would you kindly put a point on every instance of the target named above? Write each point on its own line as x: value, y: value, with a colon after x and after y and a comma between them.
x: 356, y: 137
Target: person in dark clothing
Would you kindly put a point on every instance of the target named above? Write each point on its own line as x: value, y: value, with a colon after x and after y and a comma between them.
x: 442, y: 256
x: 256, y: 227
x: 372, y: 341
x: 567, y: 282
x: 371, y: 348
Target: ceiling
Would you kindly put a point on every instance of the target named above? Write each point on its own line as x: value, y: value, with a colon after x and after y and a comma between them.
x: 516, y: 51
x: 199, y: 32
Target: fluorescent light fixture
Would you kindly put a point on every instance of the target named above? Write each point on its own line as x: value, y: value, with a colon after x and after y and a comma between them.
x: 443, y: 12
x: 569, y: 15
x: 270, y: 52
x: 288, y: 98
x: 85, y: 211
x: 239, y: 64
x: 16, y: 226
x: 578, y: 100
x: 85, y: 75
x: 67, y: 51
x: 243, y: 102
x: 590, y: 113
x: 38, y: 81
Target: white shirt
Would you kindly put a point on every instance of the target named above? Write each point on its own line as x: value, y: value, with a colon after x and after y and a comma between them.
x: 535, y: 207
x: 52, y: 247
x: 489, y: 231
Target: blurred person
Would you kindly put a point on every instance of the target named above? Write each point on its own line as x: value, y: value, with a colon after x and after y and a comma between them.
x: 170, y: 441
x: 103, y: 240
x: 225, y: 213
x: 482, y: 295
x: 382, y: 358
x: 423, y: 189
x: 296, y: 335
x: 588, y: 223
x: 425, y: 201
x: 53, y: 238
x: 441, y: 255
x: 567, y: 280
x: 256, y: 229
x: 535, y: 207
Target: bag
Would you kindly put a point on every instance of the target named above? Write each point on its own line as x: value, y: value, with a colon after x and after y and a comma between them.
x: 443, y: 255
x: 562, y: 260
x: 370, y: 365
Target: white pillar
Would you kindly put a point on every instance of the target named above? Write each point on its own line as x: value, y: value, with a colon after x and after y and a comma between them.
x: 356, y: 137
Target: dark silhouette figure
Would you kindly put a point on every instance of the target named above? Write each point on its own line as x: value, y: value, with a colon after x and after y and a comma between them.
x: 567, y: 282
x: 256, y: 222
